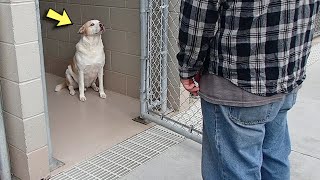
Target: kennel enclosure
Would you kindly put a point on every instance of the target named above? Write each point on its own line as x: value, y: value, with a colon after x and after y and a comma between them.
x: 163, y: 100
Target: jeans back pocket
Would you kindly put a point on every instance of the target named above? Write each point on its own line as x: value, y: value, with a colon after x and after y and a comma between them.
x: 252, y: 115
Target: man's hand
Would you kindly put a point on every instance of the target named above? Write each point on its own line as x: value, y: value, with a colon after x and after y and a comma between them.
x: 189, y: 85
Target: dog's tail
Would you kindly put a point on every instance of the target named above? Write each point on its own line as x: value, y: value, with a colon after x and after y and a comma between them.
x: 61, y: 86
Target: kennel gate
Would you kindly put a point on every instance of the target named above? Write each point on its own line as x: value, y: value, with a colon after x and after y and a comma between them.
x: 163, y: 99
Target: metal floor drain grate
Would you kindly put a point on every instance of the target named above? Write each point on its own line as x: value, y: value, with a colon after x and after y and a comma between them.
x: 122, y: 158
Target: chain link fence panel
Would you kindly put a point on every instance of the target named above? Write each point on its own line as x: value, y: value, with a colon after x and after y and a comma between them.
x: 167, y: 102
x: 166, y: 98
x: 317, y: 26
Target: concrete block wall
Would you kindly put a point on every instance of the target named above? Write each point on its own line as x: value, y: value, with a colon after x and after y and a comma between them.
x: 21, y: 84
x: 121, y: 40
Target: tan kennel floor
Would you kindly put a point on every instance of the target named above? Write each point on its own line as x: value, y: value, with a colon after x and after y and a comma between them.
x: 80, y: 130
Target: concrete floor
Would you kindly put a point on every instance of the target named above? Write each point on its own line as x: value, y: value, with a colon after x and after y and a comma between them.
x: 182, y: 162
x: 82, y: 129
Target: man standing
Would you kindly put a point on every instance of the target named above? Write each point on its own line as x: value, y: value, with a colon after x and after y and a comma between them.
x: 250, y: 57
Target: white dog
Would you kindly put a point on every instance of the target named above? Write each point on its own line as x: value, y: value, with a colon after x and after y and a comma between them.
x: 88, y: 61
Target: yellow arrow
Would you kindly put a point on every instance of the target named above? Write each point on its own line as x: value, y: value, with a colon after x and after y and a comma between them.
x: 63, y: 19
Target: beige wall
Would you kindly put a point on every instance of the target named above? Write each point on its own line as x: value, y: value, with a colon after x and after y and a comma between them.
x: 23, y: 107
x: 178, y: 97
x: 121, y: 40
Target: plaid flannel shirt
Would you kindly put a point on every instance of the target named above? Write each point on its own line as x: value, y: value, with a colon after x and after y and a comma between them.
x: 261, y: 46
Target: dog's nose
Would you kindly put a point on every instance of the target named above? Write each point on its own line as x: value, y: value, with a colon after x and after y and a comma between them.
x: 101, y: 25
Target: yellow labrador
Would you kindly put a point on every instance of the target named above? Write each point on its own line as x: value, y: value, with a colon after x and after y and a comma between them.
x: 88, y: 61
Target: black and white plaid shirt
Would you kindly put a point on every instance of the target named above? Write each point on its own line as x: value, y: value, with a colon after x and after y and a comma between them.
x: 261, y: 46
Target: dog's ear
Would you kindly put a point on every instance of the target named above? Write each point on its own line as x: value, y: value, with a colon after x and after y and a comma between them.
x: 82, y: 30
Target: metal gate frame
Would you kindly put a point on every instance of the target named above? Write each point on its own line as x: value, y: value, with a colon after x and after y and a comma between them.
x: 156, y: 109
x: 4, y: 151
x: 53, y: 162
x: 155, y: 68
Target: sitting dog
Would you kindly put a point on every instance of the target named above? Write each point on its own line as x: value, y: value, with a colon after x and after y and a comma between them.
x: 88, y: 61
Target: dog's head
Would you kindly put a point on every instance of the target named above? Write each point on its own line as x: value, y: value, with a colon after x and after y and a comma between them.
x: 91, y: 28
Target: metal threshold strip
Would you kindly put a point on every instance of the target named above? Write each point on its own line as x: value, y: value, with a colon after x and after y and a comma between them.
x: 124, y: 157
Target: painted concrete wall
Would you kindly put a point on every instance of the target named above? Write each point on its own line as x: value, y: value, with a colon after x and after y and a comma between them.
x: 121, y: 40
x: 23, y: 107
x: 178, y: 97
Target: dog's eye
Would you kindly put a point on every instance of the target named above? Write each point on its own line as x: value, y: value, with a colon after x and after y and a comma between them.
x: 92, y: 24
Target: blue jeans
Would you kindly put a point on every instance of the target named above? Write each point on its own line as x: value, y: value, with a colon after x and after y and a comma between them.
x: 246, y: 143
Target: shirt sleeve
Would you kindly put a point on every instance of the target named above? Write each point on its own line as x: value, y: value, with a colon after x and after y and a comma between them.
x: 198, y: 20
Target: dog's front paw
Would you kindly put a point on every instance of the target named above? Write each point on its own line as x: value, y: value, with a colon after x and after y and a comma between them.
x: 103, y: 95
x: 82, y: 98
x: 95, y: 88
x: 72, y: 93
